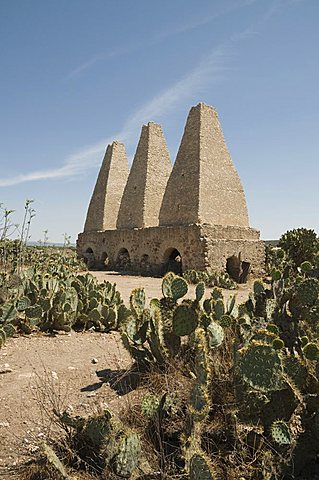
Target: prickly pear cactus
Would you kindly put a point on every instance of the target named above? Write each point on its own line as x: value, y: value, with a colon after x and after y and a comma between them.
x: 311, y: 351
x: 199, y: 403
x: 179, y: 288
x: 215, y: 334
x: 185, y: 320
x: 200, y: 467
x: 166, y: 284
x: 261, y: 367
x: 149, y: 405
x: 126, y: 460
x: 280, y: 433
x: 55, y: 463
x: 137, y: 300
x: 200, y: 291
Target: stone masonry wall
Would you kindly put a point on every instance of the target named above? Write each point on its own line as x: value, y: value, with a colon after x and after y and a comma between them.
x: 107, y: 195
x: 201, y: 248
x: 204, y: 168
x: 191, y: 216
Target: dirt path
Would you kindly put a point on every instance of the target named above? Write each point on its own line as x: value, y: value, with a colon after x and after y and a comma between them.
x: 43, y: 372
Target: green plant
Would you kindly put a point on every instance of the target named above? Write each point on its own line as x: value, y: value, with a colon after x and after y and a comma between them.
x: 300, y: 245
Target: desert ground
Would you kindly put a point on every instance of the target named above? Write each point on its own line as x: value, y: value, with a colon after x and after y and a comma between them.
x: 79, y: 371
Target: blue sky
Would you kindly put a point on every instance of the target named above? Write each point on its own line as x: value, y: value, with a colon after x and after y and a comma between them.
x: 77, y: 74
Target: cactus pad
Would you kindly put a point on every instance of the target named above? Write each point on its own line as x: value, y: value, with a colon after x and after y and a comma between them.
x: 137, y: 300
x: 185, y: 320
x: 278, y: 344
x: 23, y: 303
x: 215, y: 334
x: 296, y: 370
x: 200, y: 468
x: 280, y: 433
x: 261, y: 368
x: 166, y: 284
x: 179, y: 288
x: 55, y: 462
x: 311, y: 351
x: 200, y: 291
x: 127, y: 458
x: 149, y: 405
x: 219, y: 309
x: 258, y: 288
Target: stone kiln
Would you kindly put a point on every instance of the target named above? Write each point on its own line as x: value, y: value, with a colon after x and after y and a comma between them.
x: 156, y: 218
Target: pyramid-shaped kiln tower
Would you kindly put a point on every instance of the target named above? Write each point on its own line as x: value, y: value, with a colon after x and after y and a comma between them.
x: 147, y: 180
x: 105, y: 202
x: 156, y: 219
x: 204, y: 187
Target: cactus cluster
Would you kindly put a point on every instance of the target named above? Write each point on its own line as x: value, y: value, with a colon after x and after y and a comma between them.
x: 35, y: 300
x: 210, y: 279
x: 153, y: 335
x: 245, y: 401
x: 101, y: 441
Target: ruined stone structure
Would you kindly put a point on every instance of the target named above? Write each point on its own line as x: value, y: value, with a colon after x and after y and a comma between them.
x: 156, y: 218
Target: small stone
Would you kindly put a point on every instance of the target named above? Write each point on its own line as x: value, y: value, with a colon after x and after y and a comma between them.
x: 54, y: 375
x: 94, y: 360
x: 4, y: 424
x: 5, y: 368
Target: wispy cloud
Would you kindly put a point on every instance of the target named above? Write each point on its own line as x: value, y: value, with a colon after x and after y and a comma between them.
x: 160, y: 37
x: 75, y: 164
x: 212, y: 68
x: 98, y: 58
x: 204, y: 20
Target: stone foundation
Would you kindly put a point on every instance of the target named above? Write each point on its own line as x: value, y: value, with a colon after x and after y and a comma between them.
x: 148, y: 251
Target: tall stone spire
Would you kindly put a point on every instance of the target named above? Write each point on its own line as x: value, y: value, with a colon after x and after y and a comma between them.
x: 105, y: 202
x: 147, y: 180
x: 204, y: 186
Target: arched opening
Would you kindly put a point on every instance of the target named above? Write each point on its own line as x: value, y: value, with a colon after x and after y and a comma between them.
x: 89, y: 258
x: 237, y: 269
x: 173, y: 261
x: 145, y: 264
x: 104, y: 261
x: 123, y: 260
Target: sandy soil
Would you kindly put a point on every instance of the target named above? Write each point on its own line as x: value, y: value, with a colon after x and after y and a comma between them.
x: 153, y: 289
x: 42, y: 372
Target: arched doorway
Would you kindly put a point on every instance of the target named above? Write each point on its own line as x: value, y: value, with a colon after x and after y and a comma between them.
x: 89, y: 258
x: 104, y: 261
x: 123, y: 260
x: 173, y: 261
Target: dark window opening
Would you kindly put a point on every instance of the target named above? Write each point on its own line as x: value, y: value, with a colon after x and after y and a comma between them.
x: 173, y: 261
x: 237, y: 269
